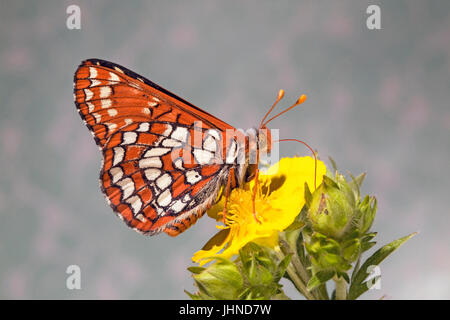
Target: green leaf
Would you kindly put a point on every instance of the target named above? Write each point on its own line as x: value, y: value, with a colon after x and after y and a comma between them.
x: 192, y: 295
x: 356, y: 268
x: 367, y: 245
x: 357, y: 182
x: 282, y: 266
x: 351, y: 250
x: 358, y: 286
x: 295, y: 226
x: 290, y: 237
x: 252, y: 273
x: 319, y: 278
x: 265, y: 277
x: 369, y: 236
x: 304, y: 259
x: 308, y: 195
x: 333, y: 164
x: 329, y: 182
x: 357, y: 290
x: 196, y: 270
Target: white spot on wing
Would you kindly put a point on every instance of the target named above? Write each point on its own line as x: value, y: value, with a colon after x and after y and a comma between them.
x: 180, y: 134
x: 171, y: 143
x: 164, y: 198
x: 89, y: 94
x: 91, y: 106
x: 202, y: 156
x: 193, y: 176
x: 168, y: 130
x: 186, y: 198
x: 105, y: 92
x: 97, y: 117
x: 129, y: 137
x: 178, y: 205
x: 118, y: 155
x: 141, y: 218
x: 154, y: 162
x: 113, y: 76
x: 210, y: 144
x: 112, y: 112
x: 152, y: 174
x: 144, y: 127
x: 136, y: 204
x: 95, y: 83
x: 116, y: 173
x: 156, y: 152
x: 178, y: 163
x: 164, y: 181
x: 93, y: 72
x: 231, y: 152
x: 106, y: 103
x: 111, y: 126
x: 127, y: 186
x: 214, y: 133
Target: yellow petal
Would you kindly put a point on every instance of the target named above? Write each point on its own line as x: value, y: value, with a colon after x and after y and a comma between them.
x: 280, y: 198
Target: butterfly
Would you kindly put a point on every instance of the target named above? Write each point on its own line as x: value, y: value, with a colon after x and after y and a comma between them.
x: 165, y: 161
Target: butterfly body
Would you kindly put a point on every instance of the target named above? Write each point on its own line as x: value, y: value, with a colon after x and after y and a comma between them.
x: 165, y: 161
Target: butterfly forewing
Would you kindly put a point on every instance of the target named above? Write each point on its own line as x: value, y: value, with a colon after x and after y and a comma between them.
x: 156, y: 174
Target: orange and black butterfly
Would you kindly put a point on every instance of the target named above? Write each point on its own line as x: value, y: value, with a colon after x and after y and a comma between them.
x: 165, y: 161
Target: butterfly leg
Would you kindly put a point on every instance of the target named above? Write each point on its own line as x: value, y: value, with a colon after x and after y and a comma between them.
x: 227, y: 194
x: 255, y: 189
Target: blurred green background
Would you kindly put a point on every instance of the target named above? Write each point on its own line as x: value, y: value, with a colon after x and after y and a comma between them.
x: 378, y: 101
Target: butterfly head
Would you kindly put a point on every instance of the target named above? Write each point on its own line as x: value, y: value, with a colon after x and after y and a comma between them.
x: 264, y: 140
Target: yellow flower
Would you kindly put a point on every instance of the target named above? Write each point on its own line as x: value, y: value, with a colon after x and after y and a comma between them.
x: 279, y: 199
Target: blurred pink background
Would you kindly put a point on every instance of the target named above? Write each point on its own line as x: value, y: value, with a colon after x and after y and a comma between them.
x: 378, y: 101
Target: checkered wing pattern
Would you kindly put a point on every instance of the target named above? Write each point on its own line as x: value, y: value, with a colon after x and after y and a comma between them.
x: 157, y: 174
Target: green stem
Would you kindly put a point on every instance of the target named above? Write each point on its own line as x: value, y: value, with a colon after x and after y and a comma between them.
x: 298, y: 283
x: 295, y: 259
x: 296, y: 280
x: 341, y: 288
x: 285, y: 245
x: 322, y: 292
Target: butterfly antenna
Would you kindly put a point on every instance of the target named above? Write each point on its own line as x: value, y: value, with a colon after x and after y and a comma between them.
x: 314, y: 154
x: 280, y: 96
x: 299, y: 101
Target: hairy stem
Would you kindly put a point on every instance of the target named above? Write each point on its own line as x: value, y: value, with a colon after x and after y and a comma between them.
x: 341, y: 288
x: 295, y: 278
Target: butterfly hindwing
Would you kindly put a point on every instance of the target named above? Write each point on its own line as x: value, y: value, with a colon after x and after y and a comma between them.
x: 154, y: 182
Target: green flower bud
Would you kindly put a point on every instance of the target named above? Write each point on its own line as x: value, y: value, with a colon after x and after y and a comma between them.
x: 221, y: 280
x: 254, y: 275
x: 332, y: 209
x: 335, y: 208
x: 337, y: 224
